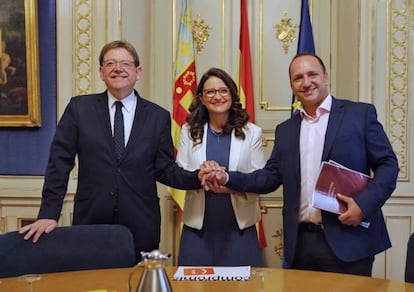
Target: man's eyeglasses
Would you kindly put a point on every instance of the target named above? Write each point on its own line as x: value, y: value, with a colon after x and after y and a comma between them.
x: 210, y: 93
x: 125, y: 64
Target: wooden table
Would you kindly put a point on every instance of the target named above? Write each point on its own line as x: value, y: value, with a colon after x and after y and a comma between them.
x: 273, y: 280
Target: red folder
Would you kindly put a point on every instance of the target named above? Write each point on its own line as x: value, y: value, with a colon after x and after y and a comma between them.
x: 335, y: 178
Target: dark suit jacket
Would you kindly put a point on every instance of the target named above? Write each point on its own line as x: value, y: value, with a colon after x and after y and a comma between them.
x: 354, y: 138
x: 103, y: 184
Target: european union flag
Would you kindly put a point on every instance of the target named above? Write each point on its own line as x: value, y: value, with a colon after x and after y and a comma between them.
x: 305, y: 44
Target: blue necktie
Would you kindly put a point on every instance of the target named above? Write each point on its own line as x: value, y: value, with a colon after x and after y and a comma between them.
x: 119, y: 139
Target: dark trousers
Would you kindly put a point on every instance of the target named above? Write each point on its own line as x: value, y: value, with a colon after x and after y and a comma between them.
x: 313, y: 253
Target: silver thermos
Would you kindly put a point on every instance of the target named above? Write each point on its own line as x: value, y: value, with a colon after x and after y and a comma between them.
x: 154, y: 278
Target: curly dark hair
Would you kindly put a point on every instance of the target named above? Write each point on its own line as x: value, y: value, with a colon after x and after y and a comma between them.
x: 238, y: 117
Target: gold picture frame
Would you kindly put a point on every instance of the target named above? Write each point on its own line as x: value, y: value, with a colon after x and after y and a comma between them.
x: 19, y: 101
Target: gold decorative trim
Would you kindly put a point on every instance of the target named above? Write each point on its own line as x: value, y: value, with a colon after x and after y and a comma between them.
x: 83, y: 44
x: 22, y: 221
x: 279, y: 246
x: 33, y: 116
x: 398, y: 76
x: 22, y: 177
x: 177, y: 233
x: 263, y: 208
x: 266, y: 140
x: 412, y: 17
x: 83, y: 31
x: 75, y: 170
x: 407, y: 217
x: 2, y: 225
x: 286, y: 31
x: 200, y: 33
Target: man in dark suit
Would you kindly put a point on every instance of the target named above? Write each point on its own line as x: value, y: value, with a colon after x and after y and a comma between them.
x: 111, y: 189
x: 326, y: 129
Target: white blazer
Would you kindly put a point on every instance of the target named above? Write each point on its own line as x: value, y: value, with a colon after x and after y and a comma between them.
x: 245, y: 156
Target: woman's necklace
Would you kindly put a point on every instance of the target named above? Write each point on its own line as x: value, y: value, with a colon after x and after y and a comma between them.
x: 217, y: 134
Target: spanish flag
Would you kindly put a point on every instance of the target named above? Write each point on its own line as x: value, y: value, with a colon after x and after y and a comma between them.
x: 185, y: 85
x: 245, y: 83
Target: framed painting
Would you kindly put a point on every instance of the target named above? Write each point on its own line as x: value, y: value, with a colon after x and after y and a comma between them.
x: 19, y: 62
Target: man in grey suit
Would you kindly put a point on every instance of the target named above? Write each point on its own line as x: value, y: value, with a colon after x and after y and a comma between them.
x: 112, y: 189
x: 325, y: 129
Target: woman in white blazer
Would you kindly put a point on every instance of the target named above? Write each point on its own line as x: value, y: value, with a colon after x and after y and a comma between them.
x: 219, y: 229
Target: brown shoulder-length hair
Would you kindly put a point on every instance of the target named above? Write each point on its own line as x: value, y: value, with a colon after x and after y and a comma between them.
x: 119, y: 45
x: 198, y: 116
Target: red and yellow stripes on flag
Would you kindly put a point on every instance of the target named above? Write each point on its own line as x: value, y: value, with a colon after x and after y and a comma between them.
x: 185, y: 84
x: 245, y: 64
x: 245, y: 83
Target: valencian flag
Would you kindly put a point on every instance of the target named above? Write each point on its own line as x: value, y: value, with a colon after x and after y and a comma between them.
x: 245, y: 83
x: 305, y: 42
x: 184, y: 85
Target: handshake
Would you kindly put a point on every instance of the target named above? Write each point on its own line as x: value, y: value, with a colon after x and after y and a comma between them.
x: 213, y: 177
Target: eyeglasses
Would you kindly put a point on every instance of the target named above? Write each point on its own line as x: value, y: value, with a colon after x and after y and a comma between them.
x: 210, y: 93
x: 125, y: 64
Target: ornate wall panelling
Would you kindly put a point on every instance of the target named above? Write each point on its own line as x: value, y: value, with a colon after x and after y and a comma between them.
x: 83, y: 42
x: 391, y: 76
x: 387, y: 44
x: 399, y: 218
x: 399, y: 86
x: 273, y: 227
x: 92, y: 24
x: 83, y: 27
x: 2, y: 225
x: 17, y: 210
x: 19, y: 200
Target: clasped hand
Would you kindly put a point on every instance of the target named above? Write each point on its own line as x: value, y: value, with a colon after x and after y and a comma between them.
x: 213, y: 177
